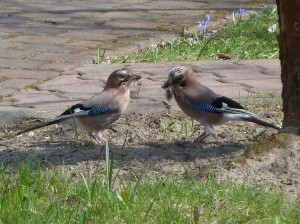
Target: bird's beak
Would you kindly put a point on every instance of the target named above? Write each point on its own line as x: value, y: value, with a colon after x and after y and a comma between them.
x: 166, y: 85
x: 136, y: 77
x: 133, y: 78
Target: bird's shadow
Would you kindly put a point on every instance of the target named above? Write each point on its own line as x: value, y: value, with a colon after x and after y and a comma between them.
x: 71, y: 153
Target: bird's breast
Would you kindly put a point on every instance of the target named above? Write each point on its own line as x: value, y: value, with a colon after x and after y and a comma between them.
x: 124, y: 100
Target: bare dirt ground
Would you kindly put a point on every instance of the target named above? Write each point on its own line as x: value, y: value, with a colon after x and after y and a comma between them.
x: 140, y: 143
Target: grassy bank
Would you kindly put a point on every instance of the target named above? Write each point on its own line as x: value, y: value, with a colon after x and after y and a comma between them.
x: 251, y: 36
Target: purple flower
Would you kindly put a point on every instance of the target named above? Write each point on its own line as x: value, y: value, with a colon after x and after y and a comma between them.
x: 207, y: 16
x: 203, y: 24
x: 240, y: 11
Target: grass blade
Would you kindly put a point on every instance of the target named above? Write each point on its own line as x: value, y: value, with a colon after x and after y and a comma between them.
x: 149, y: 209
x: 86, y: 187
x: 136, y: 186
x: 109, y: 167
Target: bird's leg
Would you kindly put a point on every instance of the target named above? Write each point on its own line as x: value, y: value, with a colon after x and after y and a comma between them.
x: 207, y: 131
x: 97, y: 136
x: 201, y: 138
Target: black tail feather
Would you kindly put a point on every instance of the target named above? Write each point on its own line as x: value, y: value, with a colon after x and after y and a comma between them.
x: 54, y: 121
x: 261, y: 122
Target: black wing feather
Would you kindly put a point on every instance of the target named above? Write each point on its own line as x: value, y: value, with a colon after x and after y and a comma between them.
x: 223, y: 99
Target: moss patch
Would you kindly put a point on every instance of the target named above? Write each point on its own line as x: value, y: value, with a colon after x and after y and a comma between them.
x: 276, y: 141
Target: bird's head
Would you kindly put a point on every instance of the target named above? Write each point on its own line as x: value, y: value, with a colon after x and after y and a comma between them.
x: 179, y: 78
x: 121, y: 78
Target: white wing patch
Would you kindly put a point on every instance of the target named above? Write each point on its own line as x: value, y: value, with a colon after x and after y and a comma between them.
x: 234, y: 117
x: 77, y: 110
x: 224, y: 106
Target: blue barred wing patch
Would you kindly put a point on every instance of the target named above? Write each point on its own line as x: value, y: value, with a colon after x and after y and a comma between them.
x: 204, y: 107
x: 98, y: 110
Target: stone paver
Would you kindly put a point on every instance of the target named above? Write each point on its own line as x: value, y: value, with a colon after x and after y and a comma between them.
x: 27, y: 74
x: 60, y: 92
x: 44, y: 45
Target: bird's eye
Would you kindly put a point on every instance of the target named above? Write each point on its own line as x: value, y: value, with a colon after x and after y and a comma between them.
x: 122, y: 74
x: 178, y: 78
x: 181, y: 83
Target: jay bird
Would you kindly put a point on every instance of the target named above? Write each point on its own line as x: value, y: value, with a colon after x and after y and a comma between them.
x: 203, y: 104
x: 98, y: 112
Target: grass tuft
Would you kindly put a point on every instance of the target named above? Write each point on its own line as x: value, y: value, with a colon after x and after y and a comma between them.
x: 174, y: 130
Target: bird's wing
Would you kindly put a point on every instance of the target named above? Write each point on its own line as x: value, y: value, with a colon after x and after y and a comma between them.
x: 102, y: 103
x: 79, y: 110
x: 205, y: 99
x: 76, y: 110
x: 110, y: 98
x: 227, y: 105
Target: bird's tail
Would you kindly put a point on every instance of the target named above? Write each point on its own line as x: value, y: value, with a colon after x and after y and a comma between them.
x: 261, y: 122
x: 51, y: 122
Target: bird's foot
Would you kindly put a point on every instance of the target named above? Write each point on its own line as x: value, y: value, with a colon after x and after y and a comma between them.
x: 97, y: 136
x: 201, y: 138
x: 198, y: 141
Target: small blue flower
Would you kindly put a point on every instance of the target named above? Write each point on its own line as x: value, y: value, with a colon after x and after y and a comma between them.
x: 207, y: 17
x: 202, y: 24
x: 240, y: 11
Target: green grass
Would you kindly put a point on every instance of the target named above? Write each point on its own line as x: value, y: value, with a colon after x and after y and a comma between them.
x: 238, y: 39
x: 41, y: 195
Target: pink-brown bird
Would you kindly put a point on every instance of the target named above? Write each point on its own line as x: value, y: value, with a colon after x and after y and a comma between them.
x: 100, y: 111
x: 203, y: 104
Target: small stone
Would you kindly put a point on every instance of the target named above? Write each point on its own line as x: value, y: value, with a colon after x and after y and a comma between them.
x: 130, y: 140
x: 31, y: 133
x: 153, y: 46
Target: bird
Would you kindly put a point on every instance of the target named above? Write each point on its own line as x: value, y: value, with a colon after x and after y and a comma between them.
x: 203, y: 104
x: 98, y: 112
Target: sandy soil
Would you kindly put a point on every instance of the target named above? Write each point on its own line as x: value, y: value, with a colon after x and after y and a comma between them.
x: 140, y: 143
